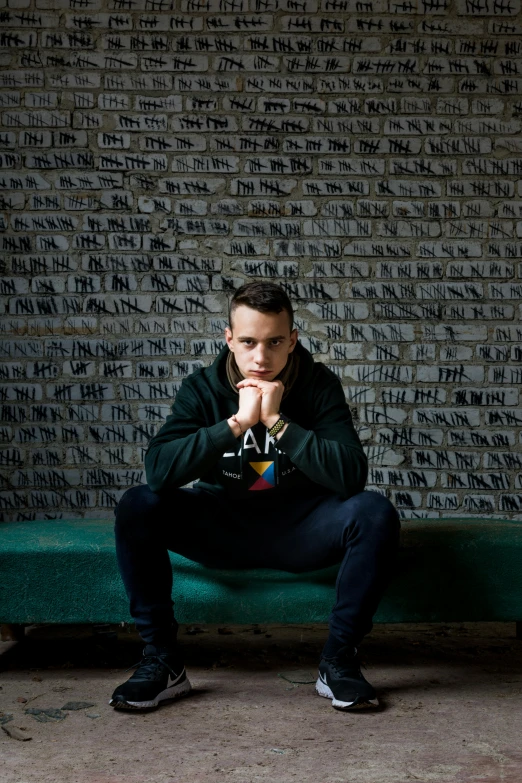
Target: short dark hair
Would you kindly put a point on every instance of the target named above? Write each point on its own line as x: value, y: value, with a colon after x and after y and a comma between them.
x: 263, y: 296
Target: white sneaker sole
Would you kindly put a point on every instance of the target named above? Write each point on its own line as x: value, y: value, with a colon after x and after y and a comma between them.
x: 174, y: 692
x: 323, y: 690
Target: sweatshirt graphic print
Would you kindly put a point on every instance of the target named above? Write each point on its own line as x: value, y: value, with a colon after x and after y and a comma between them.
x: 257, y: 463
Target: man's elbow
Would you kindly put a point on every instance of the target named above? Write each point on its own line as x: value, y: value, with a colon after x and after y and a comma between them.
x: 153, y: 483
x: 153, y: 476
x: 359, y: 475
x: 353, y: 476
x: 363, y: 472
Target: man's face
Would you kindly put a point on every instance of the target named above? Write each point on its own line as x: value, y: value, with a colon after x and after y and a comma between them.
x: 261, y: 342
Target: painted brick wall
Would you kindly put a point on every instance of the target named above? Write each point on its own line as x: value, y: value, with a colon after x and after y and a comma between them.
x: 367, y: 156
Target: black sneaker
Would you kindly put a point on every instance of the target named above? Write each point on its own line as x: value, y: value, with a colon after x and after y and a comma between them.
x: 340, y: 680
x: 160, y: 676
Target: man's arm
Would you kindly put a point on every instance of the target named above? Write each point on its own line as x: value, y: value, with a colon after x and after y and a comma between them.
x: 185, y: 448
x: 329, y: 452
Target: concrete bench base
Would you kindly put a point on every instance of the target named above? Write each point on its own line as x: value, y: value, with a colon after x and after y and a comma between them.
x: 65, y: 571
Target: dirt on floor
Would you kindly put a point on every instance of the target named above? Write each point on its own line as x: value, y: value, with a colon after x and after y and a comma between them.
x: 451, y: 709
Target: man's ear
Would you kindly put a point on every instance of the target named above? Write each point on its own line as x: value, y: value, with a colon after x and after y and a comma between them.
x: 228, y: 337
x: 293, y: 340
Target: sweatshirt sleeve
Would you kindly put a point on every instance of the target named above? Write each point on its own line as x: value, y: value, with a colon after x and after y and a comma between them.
x: 330, y: 452
x: 184, y: 448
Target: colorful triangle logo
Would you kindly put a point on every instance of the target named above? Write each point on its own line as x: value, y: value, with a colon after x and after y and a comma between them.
x: 266, y: 472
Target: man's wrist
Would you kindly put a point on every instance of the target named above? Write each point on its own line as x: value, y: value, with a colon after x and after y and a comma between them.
x: 236, y: 426
x: 271, y: 420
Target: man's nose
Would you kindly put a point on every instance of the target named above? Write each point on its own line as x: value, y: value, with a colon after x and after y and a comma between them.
x: 260, y: 355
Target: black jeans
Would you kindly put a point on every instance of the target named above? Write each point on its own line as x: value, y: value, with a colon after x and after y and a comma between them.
x: 361, y: 533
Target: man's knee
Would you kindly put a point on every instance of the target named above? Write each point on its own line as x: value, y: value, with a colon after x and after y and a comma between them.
x: 137, y: 504
x: 376, y: 513
x: 379, y: 504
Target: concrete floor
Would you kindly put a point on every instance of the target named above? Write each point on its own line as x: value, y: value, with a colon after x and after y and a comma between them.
x: 451, y: 696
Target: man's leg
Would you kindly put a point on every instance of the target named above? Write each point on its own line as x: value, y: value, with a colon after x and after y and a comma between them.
x: 144, y: 563
x: 372, y: 539
x: 187, y: 521
x: 190, y: 522
x: 363, y: 534
x: 371, y: 526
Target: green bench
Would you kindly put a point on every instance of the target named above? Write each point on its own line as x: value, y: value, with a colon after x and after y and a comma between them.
x: 65, y: 571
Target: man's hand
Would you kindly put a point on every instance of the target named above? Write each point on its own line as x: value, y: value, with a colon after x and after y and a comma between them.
x: 249, y: 412
x: 271, y: 395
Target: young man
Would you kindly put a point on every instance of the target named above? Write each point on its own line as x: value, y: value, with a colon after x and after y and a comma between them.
x: 281, y: 471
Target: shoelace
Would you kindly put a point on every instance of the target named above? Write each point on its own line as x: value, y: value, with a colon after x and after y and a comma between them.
x: 347, y: 666
x: 149, y: 665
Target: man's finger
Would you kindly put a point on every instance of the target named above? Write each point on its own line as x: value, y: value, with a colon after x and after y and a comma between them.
x: 251, y: 382
x: 267, y: 385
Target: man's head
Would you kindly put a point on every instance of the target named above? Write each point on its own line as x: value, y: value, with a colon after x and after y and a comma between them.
x: 261, y: 333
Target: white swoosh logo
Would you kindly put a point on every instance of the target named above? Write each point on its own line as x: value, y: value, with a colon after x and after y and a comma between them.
x: 172, y: 682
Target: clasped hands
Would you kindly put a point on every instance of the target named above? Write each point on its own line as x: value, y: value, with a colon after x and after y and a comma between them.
x: 259, y: 401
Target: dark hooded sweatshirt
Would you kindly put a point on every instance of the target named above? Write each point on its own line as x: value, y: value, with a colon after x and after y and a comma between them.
x: 319, y: 452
